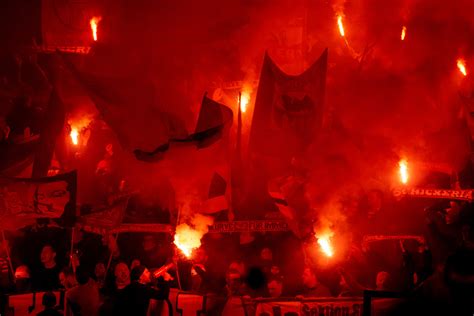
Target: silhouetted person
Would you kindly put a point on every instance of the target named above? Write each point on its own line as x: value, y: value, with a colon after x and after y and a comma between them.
x: 275, y: 287
x: 312, y: 286
x: 137, y: 295
x: 46, y: 277
x: 49, y: 302
x: 82, y: 299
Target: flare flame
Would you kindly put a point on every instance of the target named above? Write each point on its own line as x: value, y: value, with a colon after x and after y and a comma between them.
x: 325, y: 245
x: 94, y: 22
x: 462, y: 66
x: 403, y: 170
x: 244, y: 101
x: 188, y: 238
x: 404, y: 33
x: 74, y: 136
x: 340, y: 25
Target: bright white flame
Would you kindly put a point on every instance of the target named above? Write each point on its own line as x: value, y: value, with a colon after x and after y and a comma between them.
x: 244, y: 101
x: 94, y: 25
x: 74, y: 136
x: 462, y: 66
x: 403, y: 164
x: 325, y: 245
x: 404, y: 33
x: 340, y: 25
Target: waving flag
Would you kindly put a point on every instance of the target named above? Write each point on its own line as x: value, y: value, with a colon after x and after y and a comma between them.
x: 288, y: 109
x: 24, y: 200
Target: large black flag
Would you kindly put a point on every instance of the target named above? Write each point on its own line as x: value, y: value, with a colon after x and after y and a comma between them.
x: 287, y: 117
x: 213, y: 119
x: 288, y: 109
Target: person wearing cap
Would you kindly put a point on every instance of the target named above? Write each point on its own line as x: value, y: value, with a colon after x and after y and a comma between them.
x: 137, y: 295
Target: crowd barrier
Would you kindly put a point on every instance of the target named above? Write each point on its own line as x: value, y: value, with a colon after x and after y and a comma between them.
x: 28, y: 304
x: 191, y: 304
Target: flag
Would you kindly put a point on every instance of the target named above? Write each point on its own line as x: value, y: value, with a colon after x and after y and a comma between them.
x: 213, y: 119
x: 23, y: 200
x: 129, y: 106
x: 217, y: 196
x: 198, y: 165
x: 287, y: 117
x: 105, y: 218
x: 288, y: 110
x: 52, y: 126
x: 286, y: 193
x: 18, y: 157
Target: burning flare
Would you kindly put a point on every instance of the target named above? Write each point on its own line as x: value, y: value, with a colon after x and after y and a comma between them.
x: 244, y: 101
x: 94, y: 24
x: 78, y: 127
x: 403, y: 169
x: 74, y: 136
x: 340, y: 25
x: 188, y: 238
x: 325, y: 245
x: 404, y: 33
x: 462, y: 66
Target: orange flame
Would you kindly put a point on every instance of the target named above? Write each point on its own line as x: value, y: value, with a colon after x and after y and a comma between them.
x: 462, y: 66
x: 403, y: 170
x: 325, y: 245
x: 187, y: 239
x: 74, y: 136
x: 94, y: 25
x: 404, y: 33
x: 77, y: 127
x: 340, y: 25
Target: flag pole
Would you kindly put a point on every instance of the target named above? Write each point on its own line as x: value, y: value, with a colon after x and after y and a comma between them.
x: 9, y: 259
x: 177, y: 259
x: 71, y: 263
x: 109, y: 262
x: 236, y: 177
x: 239, y: 125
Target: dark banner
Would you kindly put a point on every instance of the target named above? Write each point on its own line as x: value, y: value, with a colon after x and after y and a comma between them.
x: 288, y: 109
x: 143, y: 228
x: 28, y: 199
x: 105, y: 218
x: 67, y: 22
x: 249, y: 226
x: 464, y: 195
x: 322, y: 307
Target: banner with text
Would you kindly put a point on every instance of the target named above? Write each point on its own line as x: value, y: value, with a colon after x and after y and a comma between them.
x: 322, y: 307
x: 249, y: 226
x: 465, y: 195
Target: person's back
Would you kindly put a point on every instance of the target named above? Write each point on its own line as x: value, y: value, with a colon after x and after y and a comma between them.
x: 49, y: 303
x: 84, y: 298
x: 136, y: 296
x: 137, y: 299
